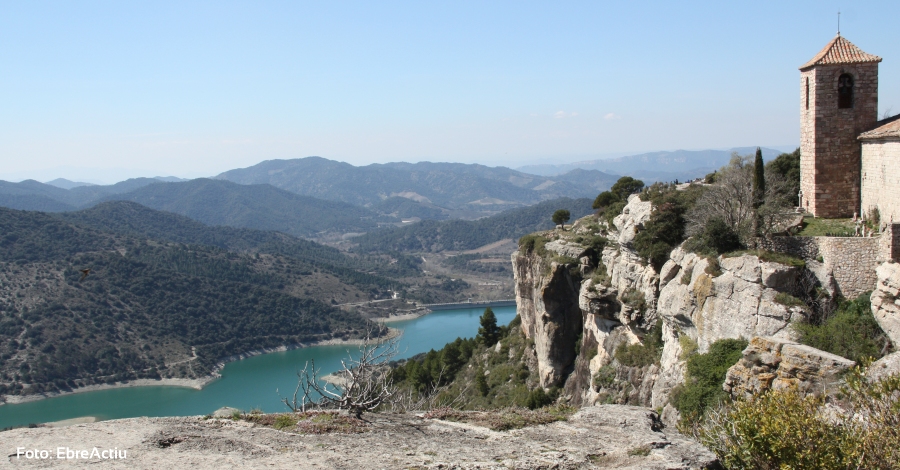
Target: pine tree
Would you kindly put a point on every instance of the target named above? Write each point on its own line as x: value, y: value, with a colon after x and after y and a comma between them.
x: 488, y: 332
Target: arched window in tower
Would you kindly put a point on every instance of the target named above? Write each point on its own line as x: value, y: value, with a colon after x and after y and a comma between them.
x: 845, y: 91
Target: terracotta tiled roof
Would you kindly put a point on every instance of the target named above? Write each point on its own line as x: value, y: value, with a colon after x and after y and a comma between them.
x: 841, y: 51
x: 889, y: 127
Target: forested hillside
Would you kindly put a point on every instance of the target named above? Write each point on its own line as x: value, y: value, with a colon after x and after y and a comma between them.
x: 148, y: 308
x: 435, y: 236
x: 130, y: 218
x: 262, y: 207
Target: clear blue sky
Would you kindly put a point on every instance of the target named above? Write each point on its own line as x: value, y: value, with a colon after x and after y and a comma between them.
x: 109, y: 89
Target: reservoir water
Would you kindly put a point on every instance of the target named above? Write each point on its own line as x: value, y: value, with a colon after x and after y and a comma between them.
x: 246, y: 384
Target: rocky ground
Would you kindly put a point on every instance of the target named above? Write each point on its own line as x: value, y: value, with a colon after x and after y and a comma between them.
x: 609, y: 436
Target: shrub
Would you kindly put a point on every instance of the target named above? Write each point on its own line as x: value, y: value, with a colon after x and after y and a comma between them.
x: 788, y: 300
x: 782, y: 429
x: 538, y: 398
x: 605, y: 377
x: 713, y: 268
x: 716, y: 238
x: 533, y: 243
x: 634, y: 299
x: 645, y: 353
x: 702, y: 388
x: 688, y: 346
x: 850, y: 332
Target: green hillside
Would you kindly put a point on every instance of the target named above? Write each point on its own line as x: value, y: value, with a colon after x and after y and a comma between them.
x: 436, y: 236
x: 262, y: 207
x: 147, y: 308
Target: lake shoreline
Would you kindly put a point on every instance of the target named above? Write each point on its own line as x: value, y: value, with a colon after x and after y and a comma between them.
x: 196, y: 384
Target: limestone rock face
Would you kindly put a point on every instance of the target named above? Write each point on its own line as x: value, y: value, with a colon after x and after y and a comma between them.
x: 775, y: 363
x: 566, y: 248
x: 548, y: 307
x: 886, y: 300
x: 635, y: 214
x: 706, y: 304
x: 887, y: 365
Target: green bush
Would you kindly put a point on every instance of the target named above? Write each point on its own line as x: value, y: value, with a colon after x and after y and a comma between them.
x: 533, y: 243
x: 537, y: 399
x: 783, y: 429
x: 716, y: 238
x: 702, y: 388
x: 850, y: 332
x: 644, y: 353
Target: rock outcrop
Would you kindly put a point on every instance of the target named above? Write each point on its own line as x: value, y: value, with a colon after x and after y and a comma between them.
x: 775, y: 363
x: 547, y: 300
x: 886, y: 300
x: 887, y: 365
x: 708, y: 299
x: 621, y: 437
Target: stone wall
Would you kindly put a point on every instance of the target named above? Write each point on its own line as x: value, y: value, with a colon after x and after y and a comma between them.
x: 852, y: 260
x: 830, y: 151
x: 881, y: 177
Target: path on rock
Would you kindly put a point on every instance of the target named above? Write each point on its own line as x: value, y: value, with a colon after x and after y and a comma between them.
x: 609, y: 436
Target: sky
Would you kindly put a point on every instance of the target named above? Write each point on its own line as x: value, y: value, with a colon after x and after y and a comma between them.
x: 100, y: 91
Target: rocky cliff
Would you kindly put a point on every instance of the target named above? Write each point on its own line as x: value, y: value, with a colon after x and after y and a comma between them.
x: 580, y: 313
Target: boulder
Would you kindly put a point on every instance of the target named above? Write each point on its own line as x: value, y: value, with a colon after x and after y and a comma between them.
x: 886, y: 300
x: 775, y: 363
x: 884, y: 367
x: 225, y: 412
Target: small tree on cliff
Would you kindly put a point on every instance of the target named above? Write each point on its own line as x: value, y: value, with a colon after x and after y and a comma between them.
x: 560, y: 217
x: 488, y: 332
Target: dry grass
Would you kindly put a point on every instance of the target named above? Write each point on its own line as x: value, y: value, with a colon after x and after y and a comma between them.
x: 506, y: 418
x: 310, y: 422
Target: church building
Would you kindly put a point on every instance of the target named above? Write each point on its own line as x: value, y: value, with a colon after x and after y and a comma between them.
x: 849, y: 160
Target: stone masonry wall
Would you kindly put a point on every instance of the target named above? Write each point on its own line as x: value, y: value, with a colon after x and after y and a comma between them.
x: 830, y: 151
x: 881, y: 178
x: 852, y: 260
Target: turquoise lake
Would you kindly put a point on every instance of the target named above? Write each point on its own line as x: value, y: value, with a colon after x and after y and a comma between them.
x: 255, y: 382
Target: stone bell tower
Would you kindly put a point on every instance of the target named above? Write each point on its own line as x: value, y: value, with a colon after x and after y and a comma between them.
x: 838, y: 102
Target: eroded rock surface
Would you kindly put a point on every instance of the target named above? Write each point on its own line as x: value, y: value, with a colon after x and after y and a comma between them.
x: 547, y: 301
x: 775, y: 363
x: 886, y: 300
x: 596, y: 437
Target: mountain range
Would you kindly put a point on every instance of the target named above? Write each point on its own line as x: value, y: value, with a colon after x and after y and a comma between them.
x: 655, y: 166
x: 453, y: 186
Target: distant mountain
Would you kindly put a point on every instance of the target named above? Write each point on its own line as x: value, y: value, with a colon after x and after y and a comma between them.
x: 434, y: 236
x: 258, y: 206
x: 68, y: 199
x: 67, y: 184
x: 597, y: 180
x: 453, y: 186
x: 655, y: 166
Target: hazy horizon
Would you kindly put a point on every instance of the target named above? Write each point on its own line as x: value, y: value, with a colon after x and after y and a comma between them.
x: 104, y: 91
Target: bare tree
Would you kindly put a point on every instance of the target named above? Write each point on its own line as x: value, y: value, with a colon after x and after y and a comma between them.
x: 731, y: 200
x: 365, y: 381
